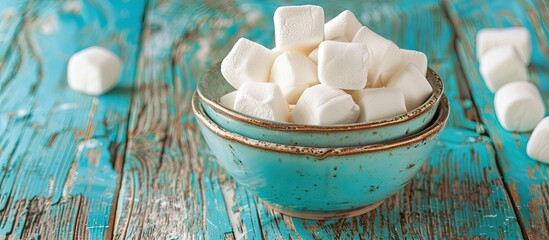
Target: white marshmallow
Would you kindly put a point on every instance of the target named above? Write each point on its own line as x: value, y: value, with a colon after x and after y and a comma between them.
x: 538, y: 144
x: 228, y: 99
x: 262, y: 100
x: 385, y: 59
x: 519, y: 106
x: 94, y: 71
x: 379, y: 103
x: 502, y: 65
x: 344, y: 26
x: 413, y: 84
x: 340, y: 39
x: 293, y: 73
x: 247, y: 61
x: 414, y: 57
x: 299, y: 28
x: 343, y: 65
x: 323, y: 105
x: 519, y: 37
x: 314, y: 56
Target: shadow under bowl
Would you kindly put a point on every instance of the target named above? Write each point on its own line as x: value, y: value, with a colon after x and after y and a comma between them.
x: 213, y: 85
x: 321, y: 183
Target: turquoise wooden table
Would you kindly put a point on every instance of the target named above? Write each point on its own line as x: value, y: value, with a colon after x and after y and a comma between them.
x: 132, y: 165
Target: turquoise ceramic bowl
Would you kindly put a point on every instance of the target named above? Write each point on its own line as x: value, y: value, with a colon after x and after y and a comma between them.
x: 321, y: 183
x: 212, y: 86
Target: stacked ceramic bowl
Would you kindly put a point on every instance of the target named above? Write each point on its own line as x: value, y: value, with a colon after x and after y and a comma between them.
x: 319, y: 172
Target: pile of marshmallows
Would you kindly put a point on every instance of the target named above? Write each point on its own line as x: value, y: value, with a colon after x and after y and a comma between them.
x: 504, y: 55
x: 335, y: 73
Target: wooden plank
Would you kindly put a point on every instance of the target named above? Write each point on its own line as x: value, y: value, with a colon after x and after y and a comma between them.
x: 526, y: 179
x: 172, y: 187
x: 57, y: 147
x: 169, y: 187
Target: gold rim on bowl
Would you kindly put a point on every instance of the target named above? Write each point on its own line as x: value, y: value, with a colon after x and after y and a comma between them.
x: 432, y: 77
x: 322, y: 153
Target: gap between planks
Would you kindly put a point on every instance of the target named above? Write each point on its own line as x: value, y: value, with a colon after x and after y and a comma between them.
x: 118, y: 164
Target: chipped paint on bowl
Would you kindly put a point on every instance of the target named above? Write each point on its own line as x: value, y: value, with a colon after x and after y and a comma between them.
x: 212, y: 86
x: 306, y: 181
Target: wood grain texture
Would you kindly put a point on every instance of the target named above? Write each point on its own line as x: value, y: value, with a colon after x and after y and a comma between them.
x: 63, y: 154
x: 526, y: 179
x: 172, y: 187
x: 11, y: 16
x: 57, y: 147
x: 168, y: 191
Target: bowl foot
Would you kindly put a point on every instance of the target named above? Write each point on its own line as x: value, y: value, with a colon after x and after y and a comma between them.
x: 327, y: 215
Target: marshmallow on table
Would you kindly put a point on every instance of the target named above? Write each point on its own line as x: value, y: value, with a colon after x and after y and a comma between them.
x: 94, y: 70
x: 247, y: 61
x: 344, y: 27
x: 413, y: 84
x: 379, y: 103
x: 262, y: 100
x: 323, y: 105
x: 415, y: 57
x: 385, y: 59
x: 227, y: 100
x: 519, y: 106
x: 343, y: 65
x: 519, y: 37
x: 299, y: 28
x: 293, y: 73
x: 538, y: 144
x: 314, y: 56
x: 501, y: 65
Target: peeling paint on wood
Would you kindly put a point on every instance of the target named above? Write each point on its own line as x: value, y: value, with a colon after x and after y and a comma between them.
x: 53, y: 183
x: 172, y: 62
x: 66, y: 172
x: 526, y: 179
